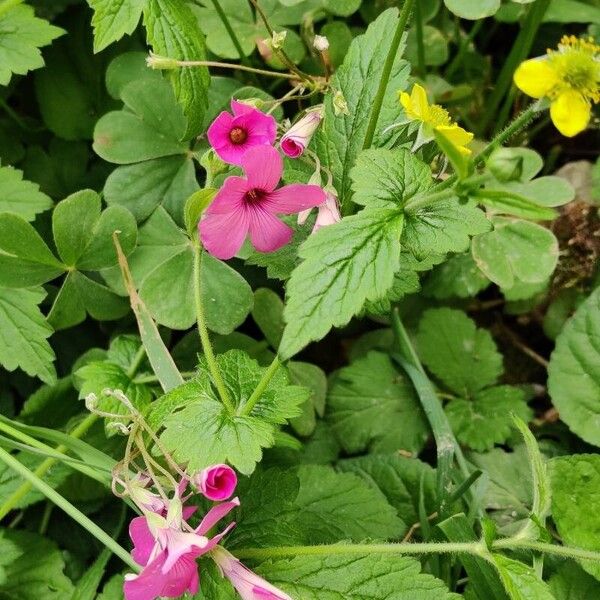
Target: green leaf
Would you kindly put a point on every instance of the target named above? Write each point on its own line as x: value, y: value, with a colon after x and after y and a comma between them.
x: 340, y: 138
x: 572, y: 11
x: 516, y: 251
x: 83, y: 234
x: 195, y: 204
x: 24, y: 333
x: 399, y: 478
x: 520, y: 580
x: 37, y: 574
x: 576, y: 502
x: 20, y: 197
x: 113, y: 589
x: 268, y: 315
x: 445, y: 226
x: 344, y: 265
x: 462, y: 356
x: 313, y: 378
x: 473, y: 9
x: 574, y: 371
x: 572, y: 583
x: 113, y: 19
x: 434, y: 41
x: 25, y: 259
x: 486, y: 419
x: 21, y: 36
x: 457, y: 277
x: 354, y: 577
x: 172, y: 30
x: 153, y: 126
x: 198, y: 429
x: 128, y: 67
x: 9, y: 551
x: 372, y: 406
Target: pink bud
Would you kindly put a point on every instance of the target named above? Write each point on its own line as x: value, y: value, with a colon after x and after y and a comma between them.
x: 217, y: 482
x: 295, y: 140
x: 329, y: 212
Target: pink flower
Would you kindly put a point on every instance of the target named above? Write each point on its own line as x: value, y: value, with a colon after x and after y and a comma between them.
x: 295, y: 140
x: 329, y: 212
x: 248, y: 584
x: 248, y: 206
x: 168, y: 552
x: 231, y: 136
x: 217, y: 482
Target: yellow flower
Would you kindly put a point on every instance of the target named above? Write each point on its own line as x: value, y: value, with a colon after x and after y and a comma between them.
x: 569, y: 77
x: 434, y: 117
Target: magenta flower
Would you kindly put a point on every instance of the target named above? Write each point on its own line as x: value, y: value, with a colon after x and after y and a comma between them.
x: 167, y: 548
x: 248, y: 584
x: 233, y: 135
x: 295, y: 140
x: 248, y: 206
x: 329, y: 213
x: 217, y: 482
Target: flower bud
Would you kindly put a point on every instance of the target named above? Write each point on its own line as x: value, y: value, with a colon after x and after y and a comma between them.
x: 320, y: 43
x: 278, y: 39
x: 340, y: 106
x: 216, y: 483
x: 329, y: 211
x: 295, y: 140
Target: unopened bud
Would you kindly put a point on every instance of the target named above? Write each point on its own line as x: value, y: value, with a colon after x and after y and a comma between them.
x: 320, y: 43
x: 155, y: 61
x: 278, y: 39
x: 340, y: 106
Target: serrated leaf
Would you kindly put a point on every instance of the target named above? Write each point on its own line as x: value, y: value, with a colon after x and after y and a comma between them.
x: 21, y: 36
x: 113, y: 19
x: 485, y: 420
x: 458, y: 277
x: 341, y: 138
x: 516, y: 251
x: 575, y: 492
x: 445, y: 226
x: 37, y: 574
x: 19, y: 196
x: 372, y: 406
x: 24, y: 332
x: 520, y: 580
x: 574, y: 371
x: 198, y: 428
x: 352, y: 577
x: 572, y: 583
x: 344, y: 265
x: 464, y: 357
x: 172, y: 30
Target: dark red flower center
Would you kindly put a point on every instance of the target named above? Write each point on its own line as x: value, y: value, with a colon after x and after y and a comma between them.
x: 238, y: 135
x: 254, y: 196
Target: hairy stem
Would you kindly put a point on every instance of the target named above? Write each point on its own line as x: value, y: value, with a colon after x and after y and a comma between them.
x: 223, y: 65
x: 387, y: 71
x: 261, y: 387
x: 213, y: 367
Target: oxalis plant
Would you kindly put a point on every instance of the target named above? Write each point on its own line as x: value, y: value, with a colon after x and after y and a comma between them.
x: 312, y: 317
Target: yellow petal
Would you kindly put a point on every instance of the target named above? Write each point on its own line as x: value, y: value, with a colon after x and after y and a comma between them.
x: 457, y: 136
x: 420, y: 104
x: 405, y: 101
x: 570, y: 113
x: 535, y: 77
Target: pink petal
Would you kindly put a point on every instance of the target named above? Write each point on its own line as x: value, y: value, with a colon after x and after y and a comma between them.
x: 240, y: 108
x: 295, y: 198
x: 291, y: 148
x: 217, y: 482
x: 218, y: 132
x: 267, y: 232
x: 223, y: 234
x: 180, y: 544
x: 188, y: 511
x: 263, y: 166
x: 215, y: 514
x: 230, y: 197
x: 143, y: 540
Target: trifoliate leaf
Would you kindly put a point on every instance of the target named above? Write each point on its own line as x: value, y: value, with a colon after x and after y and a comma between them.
x: 486, y: 419
x: 354, y: 577
x: 200, y: 430
x: 341, y: 138
x: 445, y: 226
x: 21, y: 36
x: 458, y: 277
x: 516, y: 251
x: 21, y: 197
x: 37, y: 574
x: 399, y: 478
x: 24, y: 332
x: 344, y: 265
x: 520, y: 581
x: 372, y: 406
x: 172, y: 30
x: 462, y: 356
x: 572, y: 583
x: 576, y: 492
x: 113, y: 19
x: 574, y: 371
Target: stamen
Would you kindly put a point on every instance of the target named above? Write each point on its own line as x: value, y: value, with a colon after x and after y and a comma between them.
x: 238, y: 135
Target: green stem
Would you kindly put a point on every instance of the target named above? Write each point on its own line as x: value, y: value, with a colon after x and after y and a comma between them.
x: 67, y: 507
x: 136, y: 362
x: 565, y: 551
x: 520, y: 50
x: 386, y: 72
x: 261, y: 387
x: 154, y: 378
x: 420, y: 45
x: 222, y: 65
x: 213, y: 367
x: 44, y: 467
x: 421, y: 201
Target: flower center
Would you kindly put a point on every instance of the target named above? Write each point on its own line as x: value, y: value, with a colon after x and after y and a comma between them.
x: 238, y: 135
x: 438, y: 116
x: 254, y: 196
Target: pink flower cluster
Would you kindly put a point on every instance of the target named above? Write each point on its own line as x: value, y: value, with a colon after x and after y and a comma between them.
x: 167, y: 547
x: 250, y: 205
